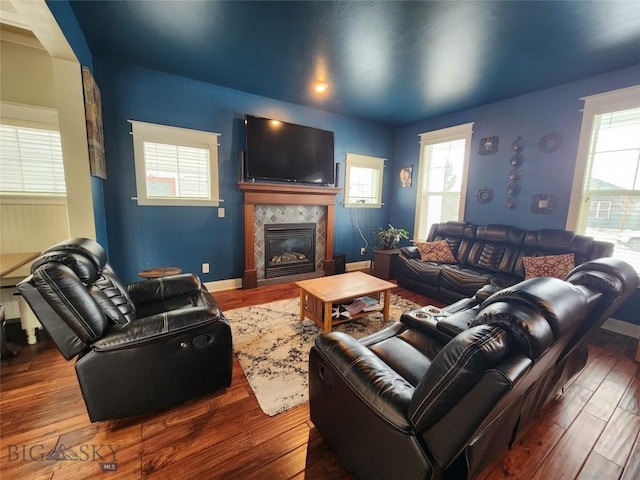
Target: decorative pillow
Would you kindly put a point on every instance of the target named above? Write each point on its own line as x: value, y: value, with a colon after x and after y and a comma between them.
x: 435, y: 252
x: 557, y: 266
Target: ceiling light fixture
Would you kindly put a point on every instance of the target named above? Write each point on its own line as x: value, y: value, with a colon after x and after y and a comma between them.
x: 321, y: 87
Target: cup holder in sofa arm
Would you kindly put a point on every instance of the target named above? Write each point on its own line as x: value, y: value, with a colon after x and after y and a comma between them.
x: 426, y: 319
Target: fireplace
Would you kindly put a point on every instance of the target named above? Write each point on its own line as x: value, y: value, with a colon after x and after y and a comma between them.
x: 290, y: 248
x: 255, y: 194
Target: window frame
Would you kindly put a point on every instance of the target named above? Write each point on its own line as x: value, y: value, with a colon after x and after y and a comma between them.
x: 615, y: 100
x: 599, y: 209
x: 363, y: 161
x: 444, y: 135
x: 594, y: 105
x: 168, y: 135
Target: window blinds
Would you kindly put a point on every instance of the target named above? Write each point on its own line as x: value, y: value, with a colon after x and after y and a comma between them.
x: 441, y: 183
x: 174, y: 170
x: 31, y: 161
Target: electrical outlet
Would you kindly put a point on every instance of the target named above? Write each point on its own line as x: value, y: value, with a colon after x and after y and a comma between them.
x: 363, y: 251
x: 205, y: 268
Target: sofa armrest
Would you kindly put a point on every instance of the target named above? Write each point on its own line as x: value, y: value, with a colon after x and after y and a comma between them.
x: 156, y: 327
x: 159, y: 289
x: 372, y: 380
x: 457, y: 322
x: 410, y: 252
x: 426, y: 321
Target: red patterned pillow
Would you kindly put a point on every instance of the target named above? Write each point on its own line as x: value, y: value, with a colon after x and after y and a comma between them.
x: 435, y: 252
x: 557, y: 266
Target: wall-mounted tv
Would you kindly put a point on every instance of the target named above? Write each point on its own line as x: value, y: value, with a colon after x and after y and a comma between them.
x: 286, y: 152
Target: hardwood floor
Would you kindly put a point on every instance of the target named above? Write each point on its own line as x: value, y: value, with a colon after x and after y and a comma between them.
x: 590, y: 432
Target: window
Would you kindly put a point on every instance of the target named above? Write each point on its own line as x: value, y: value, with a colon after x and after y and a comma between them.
x: 442, y: 177
x: 175, y: 166
x: 363, y: 181
x: 605, y: 200
x: 599, y: 210
x: 31, y: 161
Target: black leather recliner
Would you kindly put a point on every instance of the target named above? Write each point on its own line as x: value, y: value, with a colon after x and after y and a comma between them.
x: 422, y: 402
x: 142, y: 347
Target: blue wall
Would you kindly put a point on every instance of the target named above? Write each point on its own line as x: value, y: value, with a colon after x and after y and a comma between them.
x: 145, y: 236
x: 531, y: 117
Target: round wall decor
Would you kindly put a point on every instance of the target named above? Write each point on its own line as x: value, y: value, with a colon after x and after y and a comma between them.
x: 484, y: 195
x: 550, y: 142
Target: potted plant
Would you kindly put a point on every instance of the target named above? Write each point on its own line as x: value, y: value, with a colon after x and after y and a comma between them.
x: 388, y: 238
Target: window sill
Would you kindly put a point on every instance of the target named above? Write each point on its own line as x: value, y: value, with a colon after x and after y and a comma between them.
x: 185, y: 202
x: 7, y: 198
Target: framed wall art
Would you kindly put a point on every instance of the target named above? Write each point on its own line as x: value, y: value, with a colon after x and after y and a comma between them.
x: 488, y: 145
x: 93, y: 114
x: 406, y: 174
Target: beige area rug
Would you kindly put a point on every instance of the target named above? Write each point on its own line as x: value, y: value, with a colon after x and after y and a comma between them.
x: 273, y: 346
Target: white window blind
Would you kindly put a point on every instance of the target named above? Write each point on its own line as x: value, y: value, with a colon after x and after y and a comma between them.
x: 442, y: 177
x: 610, y: 207
x: 176, y: 171
x: 31, y: 161
x: 175, y: 166
x: 363, y: 181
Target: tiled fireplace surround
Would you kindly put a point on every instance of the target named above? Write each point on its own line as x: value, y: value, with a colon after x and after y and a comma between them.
x: 268, y: 214
x: 276, y: 203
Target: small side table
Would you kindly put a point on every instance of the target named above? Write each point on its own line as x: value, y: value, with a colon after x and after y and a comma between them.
x: 384, y: 263
x: 157, y: 272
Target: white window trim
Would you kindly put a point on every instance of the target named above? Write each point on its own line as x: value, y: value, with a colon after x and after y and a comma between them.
x: 463, y: 131
x: 29, y: 116
x: 11, y: 198
x: 615, y: 100
x: 150, y: 132
x: 365, y: 161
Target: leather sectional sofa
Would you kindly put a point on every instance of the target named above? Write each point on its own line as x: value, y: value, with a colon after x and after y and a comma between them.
x: 487, y: 255
x: 443, y: 394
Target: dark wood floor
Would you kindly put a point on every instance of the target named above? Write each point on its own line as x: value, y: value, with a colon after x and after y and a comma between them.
x: 591, y: 432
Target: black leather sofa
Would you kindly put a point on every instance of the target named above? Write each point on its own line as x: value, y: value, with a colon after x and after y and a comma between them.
x: 487, y: 255
x: 142, y: 347
x: 422, y: 402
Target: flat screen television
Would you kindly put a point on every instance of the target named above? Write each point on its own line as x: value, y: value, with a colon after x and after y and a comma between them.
x: 285, y: 152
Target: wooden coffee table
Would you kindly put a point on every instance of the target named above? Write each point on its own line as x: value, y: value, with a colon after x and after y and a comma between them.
x: 318, y: 295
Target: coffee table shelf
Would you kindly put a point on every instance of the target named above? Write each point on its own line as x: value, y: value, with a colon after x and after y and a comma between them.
x: 318, y: 295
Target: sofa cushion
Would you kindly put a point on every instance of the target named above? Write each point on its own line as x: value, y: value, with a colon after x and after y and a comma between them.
x: 435, y: 252
x: 496, y: 248
x: 466, y: 281
x: 418, y: 270
x: 557, y: 266
x: 459, y: 236
x: 456, y: 369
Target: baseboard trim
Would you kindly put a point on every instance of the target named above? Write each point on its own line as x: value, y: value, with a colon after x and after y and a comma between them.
x: 350, y: 267
x: 623, y: 328
x: 219, y: 285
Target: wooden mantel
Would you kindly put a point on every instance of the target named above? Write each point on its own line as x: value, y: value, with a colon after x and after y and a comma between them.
x: 283, y: 194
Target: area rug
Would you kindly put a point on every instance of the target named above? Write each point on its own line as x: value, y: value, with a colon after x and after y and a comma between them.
x: 272, y: 346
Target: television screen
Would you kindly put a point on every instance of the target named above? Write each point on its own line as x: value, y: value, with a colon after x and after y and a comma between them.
x: 286, y: 152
